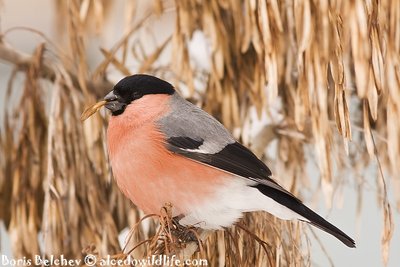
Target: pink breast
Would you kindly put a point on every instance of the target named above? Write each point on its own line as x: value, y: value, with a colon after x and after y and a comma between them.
x: 145, y: 171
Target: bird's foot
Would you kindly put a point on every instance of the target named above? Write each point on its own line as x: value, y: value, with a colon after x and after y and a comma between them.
x: 184, y: 234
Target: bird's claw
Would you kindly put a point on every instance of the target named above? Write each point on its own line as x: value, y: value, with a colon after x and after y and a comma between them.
x: 184, y: 234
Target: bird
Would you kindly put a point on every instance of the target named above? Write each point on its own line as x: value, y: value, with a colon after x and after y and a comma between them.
x: 164, y: 149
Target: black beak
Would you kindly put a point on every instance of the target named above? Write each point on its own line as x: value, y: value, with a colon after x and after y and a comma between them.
x: 110, y: 97
x: 114, y: 104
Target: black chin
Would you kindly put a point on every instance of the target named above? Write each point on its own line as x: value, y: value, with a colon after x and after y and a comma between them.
x: 115, y: 107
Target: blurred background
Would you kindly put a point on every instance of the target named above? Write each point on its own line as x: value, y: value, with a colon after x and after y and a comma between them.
x: 312, y: 87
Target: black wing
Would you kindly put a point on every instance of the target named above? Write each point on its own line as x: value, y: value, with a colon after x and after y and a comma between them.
x: 233, y: 158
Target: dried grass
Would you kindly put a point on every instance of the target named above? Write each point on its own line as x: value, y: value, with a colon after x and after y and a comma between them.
x: 319, y: 59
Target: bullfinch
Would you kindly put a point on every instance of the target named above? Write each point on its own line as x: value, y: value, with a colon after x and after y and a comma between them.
x: 163, y: 149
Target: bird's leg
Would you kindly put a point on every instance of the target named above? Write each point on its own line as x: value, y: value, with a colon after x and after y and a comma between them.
x: 184, y: 234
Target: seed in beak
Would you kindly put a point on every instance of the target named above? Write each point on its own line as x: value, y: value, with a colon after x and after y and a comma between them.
x: 92, y: 109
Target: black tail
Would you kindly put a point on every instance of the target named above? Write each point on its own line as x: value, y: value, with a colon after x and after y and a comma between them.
x: 297, y: 206
x: 323, y: 224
